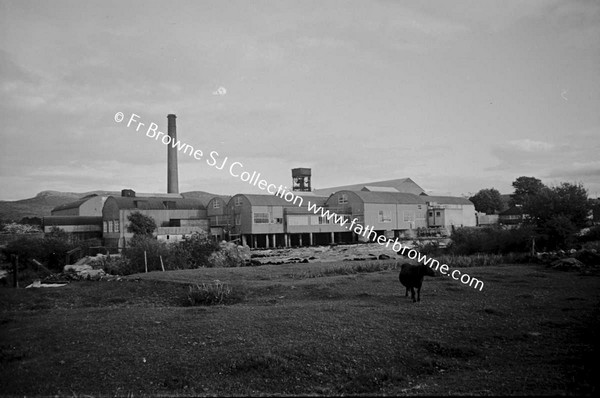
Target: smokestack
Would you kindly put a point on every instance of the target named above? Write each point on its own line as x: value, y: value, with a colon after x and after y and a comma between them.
x: 172, y: 179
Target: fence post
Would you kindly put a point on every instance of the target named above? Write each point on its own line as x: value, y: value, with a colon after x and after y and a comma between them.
x: 145, y: 261
x: 161, y: 264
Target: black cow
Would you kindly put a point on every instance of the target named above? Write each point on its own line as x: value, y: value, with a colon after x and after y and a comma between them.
x: 411, y: 276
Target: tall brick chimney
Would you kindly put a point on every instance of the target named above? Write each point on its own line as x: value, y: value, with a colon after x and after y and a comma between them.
x: 172, y: 174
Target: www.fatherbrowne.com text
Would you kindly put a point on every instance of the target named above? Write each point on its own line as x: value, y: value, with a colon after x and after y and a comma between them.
x: 237, y: 170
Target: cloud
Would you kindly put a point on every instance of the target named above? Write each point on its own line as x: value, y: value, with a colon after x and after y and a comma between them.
x: 528, y: 145
x: 576, y: 170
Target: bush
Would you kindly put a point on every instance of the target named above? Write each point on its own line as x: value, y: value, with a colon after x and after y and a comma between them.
x: 153, y: 249
x: 592, y: 235
x: 50, y: 250
x: 492, y: 240
x: 211, y: 294
x: 197, y: 249
x: 119, y: 265
x: 558, y: 232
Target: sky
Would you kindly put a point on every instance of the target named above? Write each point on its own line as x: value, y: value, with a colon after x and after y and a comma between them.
x: 457, y: 95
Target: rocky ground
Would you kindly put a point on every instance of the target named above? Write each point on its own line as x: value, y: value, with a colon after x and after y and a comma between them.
x: 324, y: 254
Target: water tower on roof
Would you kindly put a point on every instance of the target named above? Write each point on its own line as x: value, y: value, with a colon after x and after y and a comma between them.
x: 301, y: 179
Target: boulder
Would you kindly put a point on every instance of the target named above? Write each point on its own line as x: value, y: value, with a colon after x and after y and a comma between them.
x: 567, y: 264
x: 84, y: 271
x: 230, y: 255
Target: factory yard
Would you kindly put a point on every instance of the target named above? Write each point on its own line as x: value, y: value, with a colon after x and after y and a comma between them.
x: 298, y: 329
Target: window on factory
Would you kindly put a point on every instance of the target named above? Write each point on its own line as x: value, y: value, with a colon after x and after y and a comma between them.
x: 385, y: 216
x: 105, y: 226
x: 238, y: 201
x: 261, y: 218
x: 117, y: 226
x: 430, y: 214
x: 111, y: 226
x: 438, y: 214
x: 216, y: 204
x: 238, y: 219
x: 343, y: 199
x: 323, y: 220
x: 279, y: 220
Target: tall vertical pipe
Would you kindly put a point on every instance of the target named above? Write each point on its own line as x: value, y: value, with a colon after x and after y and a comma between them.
x: 172, y: 173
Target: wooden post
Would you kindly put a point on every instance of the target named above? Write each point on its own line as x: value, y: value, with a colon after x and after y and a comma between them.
x: 145, y: 261
x: 162, y: 264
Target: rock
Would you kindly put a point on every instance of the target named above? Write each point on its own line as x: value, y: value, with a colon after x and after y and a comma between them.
x: 384, y: 257
x: 84, y: 271
x: 230, y: 255
x: 567, y: 264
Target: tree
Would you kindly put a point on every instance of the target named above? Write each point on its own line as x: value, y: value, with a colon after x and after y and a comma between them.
x: 525, y: 187
x: 488, y: 201
x: 141, y: 224
x: 558, y: 212
x: 568, y: 200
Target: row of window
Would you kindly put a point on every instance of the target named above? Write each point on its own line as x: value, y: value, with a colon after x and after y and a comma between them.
x: 265, y: 218
x: 408, y: 216
x: 111, y: 226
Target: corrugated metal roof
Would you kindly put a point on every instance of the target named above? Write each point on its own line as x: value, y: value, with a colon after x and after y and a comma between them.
x: 272, y: 200
x: 405, y: 185
x: 447, y: 200
x: 75, y: 204
x: 157, y: 203
x: 71, y: 220
x: 387, y: 197
x: 373, y: 188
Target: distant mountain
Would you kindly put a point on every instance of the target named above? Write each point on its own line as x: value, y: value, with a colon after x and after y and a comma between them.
x: 42, y: 204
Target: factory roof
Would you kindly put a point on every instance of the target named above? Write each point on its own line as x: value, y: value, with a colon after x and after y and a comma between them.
x: 386, y: 197
x: 157, y: 203
x: 447, y: 200
x: 405, y: 185
x: 272, y: 200
x: 75, y: 204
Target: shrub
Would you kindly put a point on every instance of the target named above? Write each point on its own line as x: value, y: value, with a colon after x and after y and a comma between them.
x: 592, y: 235
x: 119, y: 265
x: 153, y: 249
x: 51, y: 250
x: 211, y: 294
x: 198, y: 248
x: 558, y: 232
x: 178, y: 257
x: 492, y: 240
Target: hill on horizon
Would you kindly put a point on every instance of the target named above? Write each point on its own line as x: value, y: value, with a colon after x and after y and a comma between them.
x: 42, y: 204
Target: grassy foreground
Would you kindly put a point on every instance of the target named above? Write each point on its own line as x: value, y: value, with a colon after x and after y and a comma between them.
x: 305, y: 329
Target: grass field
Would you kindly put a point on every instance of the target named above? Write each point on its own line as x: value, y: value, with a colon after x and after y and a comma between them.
x: 316, y: 329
